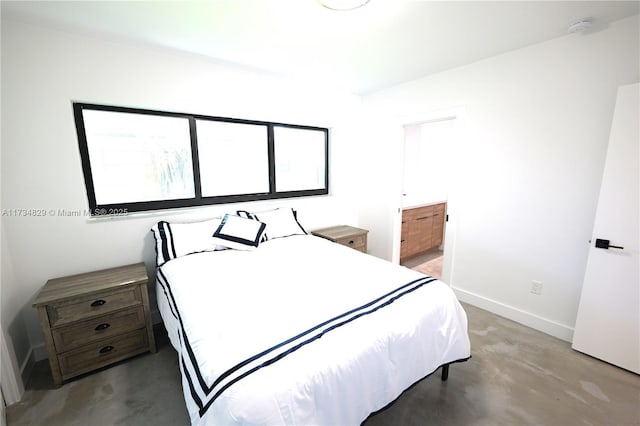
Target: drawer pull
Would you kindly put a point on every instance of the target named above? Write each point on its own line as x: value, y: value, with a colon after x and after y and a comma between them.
x: 98, y: 302
x: 423, y: 217
x: 351, y: 242
x: 106, y: 349
x: 102, y: 326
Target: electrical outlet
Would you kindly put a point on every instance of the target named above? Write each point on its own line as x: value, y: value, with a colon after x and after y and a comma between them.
x: 536, y: 287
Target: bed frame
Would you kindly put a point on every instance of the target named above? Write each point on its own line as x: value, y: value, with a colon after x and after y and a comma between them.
x: 445, y: 372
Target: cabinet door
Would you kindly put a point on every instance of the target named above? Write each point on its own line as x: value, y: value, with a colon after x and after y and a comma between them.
x: 438, y: 225
x: 411, y: 236
x: 424, y: 228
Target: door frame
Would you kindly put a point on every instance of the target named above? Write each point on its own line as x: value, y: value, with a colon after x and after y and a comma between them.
x: 12, y: 386
x: 453, y: 205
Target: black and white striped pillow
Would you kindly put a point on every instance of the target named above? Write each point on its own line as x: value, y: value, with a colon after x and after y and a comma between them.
x: 239, y: 233
x: 248, y: 215
x: 180, y: 239
x: 281, y: 222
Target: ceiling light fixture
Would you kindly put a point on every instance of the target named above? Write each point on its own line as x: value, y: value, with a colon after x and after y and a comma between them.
x: 580, y: 26
x: 342, y: 5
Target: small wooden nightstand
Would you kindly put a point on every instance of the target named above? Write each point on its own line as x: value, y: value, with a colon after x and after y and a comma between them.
x: 349, y: 236
x: 95, y: 319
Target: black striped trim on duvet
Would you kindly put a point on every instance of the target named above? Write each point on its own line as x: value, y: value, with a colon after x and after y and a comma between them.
x: 204, y: 395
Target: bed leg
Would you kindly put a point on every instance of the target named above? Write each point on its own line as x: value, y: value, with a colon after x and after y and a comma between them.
x: 445, y: 372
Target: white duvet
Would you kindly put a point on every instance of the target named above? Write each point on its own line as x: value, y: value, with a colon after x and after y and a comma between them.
x: 303, y: 331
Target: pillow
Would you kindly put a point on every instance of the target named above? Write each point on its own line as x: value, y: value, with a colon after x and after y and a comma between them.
x: 249, y: 215
x: 245, y: 214
x: 280, y: 222
x: 180, y: 239
x: 239, y: 233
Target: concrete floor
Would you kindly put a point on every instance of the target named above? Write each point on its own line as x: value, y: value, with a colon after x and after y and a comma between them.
x: 516, y: 376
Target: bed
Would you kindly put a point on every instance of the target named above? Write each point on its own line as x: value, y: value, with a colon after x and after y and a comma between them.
x: 294, y: 329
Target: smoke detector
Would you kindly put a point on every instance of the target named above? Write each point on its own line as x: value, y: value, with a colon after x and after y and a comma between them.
x: 342, y: 4
x: 579, y: 26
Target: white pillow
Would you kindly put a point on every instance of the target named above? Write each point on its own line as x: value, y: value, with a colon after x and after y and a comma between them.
x: 239, y: 233
x: 179, y: 239
x: 249, y: 215
x: 281, y: 222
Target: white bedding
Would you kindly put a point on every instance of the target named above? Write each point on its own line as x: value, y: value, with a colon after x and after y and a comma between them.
x: 224, y: 307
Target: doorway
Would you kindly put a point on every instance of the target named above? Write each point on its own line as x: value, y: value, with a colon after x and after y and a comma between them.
x: 426, y: 196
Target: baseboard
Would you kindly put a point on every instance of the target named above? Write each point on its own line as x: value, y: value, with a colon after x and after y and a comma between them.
x: 36, y: 353
x: 536, y: 322
x: 27, y: 366
x: 40, y: 352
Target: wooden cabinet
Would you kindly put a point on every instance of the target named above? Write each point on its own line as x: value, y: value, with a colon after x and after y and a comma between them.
x: 95, y: 319
x: 349, y: 236
x: 422, y: 229
x: 438, y: 225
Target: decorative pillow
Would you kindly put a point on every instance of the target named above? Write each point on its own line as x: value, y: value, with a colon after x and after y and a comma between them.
x: 179, y: 239
x: 249, y: 215
x: 245, y: 214
x: 239, y: 233
x: 281, y: 222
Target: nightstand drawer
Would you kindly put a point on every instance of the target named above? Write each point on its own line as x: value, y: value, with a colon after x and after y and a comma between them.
x: 104, y: 326
x: 357, y: 242
x: 346, y: 235
x: 102, y: 353
x: 93, y: 304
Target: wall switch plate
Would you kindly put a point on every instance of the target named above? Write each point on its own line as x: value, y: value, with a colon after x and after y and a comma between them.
x: 536, y: 287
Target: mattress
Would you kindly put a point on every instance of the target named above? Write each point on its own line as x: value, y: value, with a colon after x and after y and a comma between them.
x: 303, y: 331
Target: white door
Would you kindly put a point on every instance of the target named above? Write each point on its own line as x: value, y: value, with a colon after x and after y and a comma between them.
x: 608, y: 321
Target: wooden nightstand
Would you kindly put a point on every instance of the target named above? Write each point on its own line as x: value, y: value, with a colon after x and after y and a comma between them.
x: 95, y: 319
x: 349, y: 236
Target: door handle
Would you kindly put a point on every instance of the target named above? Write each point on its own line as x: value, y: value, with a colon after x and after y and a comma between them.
x: 604, y: 244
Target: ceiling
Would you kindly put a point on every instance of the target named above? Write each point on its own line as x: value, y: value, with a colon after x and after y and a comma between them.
x: 379, y: 45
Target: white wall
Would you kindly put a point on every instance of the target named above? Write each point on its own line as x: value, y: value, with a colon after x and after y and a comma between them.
x: 45, y: 69
x: 537, y: 124
x: 376, y: 182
